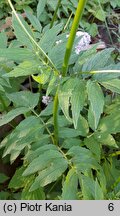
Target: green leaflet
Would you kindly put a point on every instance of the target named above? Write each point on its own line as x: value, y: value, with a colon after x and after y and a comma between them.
x: 24, y: 99
x: 18, y: 181
x: 82, y: 126
x: 72, y: 93
x: 83, y: 159
x: 70, y: 186
x: 77, y: 101
x: 42, y: 78
x: 54, y: 170
x: 12, y: 114
x: 99, y: 60
x: 94, y: 146
x: 23, y: 135
x: 104, y: 138
x: 3, y: 178
x: 40, y: 7
x: 96, y: 98
x: 24, y: 69
x: 68, y: 132
x: 3, y: 40
x: 20, y: 34
x: 16, y: 54
x: 91, y: 190
x: 110, y: 123
x: 41, y: 162
x: 32, y: 195
x: 34, y: 21
x: 49, y: 37
x: 113, y: 85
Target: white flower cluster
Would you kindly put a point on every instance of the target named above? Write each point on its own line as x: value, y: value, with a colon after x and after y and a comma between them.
x: 46, y: 100
x: 83, y: 43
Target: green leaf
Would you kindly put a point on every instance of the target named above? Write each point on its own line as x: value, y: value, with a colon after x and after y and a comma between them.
x: 100, y: 14
x: 91, y: 189
x: 40, y: 7
x: 4, y: 195
x: 3, y: 178
x: 20, y: 33
x: 42, y: 78
x: 32, y: 195
x: 3, y: 40
x: 113, y: 85
x: 41, y: 162
x: 110, y: 123
x: 16, y: 54
x: 34, y: 21
x: 49, y: 37
x: 88, y: 187
x: 24, y: 69
x: 96, y: 98
x: 70, y: 186
x: 18, y: 181
x: 77, y: 101
x: 94, y: 146
x: 99, y: 60
x: 24, y: 99
x: 82, y: 126
x: 104, y: 138
x: 51, y: 85
x: 26, y: 133
x: 68, y: 133
x: 83, y: 159
x: 64, y: 95
x: 12, y: 114
x: 50, y: 174
x: 98, y: 191
x: 69, y: 142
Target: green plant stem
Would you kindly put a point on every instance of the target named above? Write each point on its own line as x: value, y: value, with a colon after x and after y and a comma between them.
x: 55, y: 118
x: 55, y: 13
x: 45, y: 125
x: 69, y: 46
x: 71, y: 38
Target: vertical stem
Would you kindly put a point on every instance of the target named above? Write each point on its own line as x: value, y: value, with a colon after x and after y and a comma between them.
x: 55, y: 14
x: 75, y: 24
x: 71, y: 38
x: 55, y: 117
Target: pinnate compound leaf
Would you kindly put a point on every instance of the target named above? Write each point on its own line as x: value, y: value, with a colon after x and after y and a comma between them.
x: 51, y: 173
x: 24, y: 99
x: 96, y: 98
x: 70, y: 186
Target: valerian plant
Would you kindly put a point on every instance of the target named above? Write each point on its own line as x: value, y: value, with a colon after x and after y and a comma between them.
x: 68, y: 139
